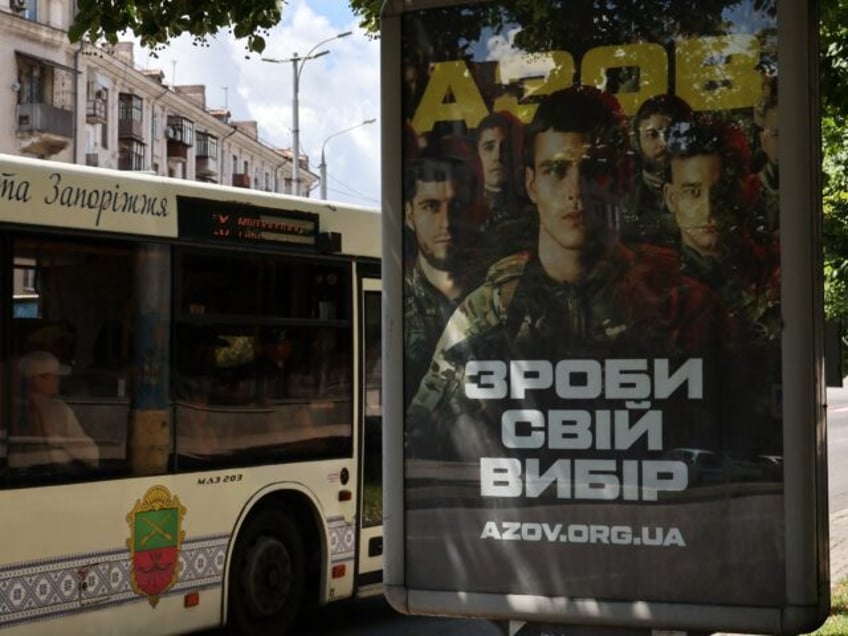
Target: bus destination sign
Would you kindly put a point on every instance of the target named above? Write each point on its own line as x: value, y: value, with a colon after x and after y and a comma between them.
x: 234, y: 223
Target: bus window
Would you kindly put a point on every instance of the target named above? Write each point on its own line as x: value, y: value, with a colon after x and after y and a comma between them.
x: 255, y: 395
x: 72, y: 360
x: 262, y: 374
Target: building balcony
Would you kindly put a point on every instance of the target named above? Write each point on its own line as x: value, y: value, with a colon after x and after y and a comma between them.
x: 180, y: 130
x: 177, y: 150
x: 95, y: 111
x: 131, y: 129
x: 241, y: 180
x: 43, y: 130
x: 44, y: 118
x: 206, y: 167
x: 130, y: 162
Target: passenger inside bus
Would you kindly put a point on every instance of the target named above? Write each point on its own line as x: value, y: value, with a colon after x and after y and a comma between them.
x: 49, y: 432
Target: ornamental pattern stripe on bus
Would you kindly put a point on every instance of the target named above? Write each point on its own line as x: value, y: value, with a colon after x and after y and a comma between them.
x: 40, y: 589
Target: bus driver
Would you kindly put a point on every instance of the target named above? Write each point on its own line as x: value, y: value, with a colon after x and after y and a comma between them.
x: 48, y: 417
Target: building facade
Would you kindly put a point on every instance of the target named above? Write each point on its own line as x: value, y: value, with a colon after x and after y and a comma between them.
x: 88, y: 104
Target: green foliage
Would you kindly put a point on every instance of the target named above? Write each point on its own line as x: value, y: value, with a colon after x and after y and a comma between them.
x: 834, y: 103
x: 372, y: 504
x: 369, y: 13
x: 156, y: 22
x: 837, y: 622
x: 834, y: 56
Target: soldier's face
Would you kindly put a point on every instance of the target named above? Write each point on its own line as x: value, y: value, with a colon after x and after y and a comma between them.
x: 491, y: 147
x: 653, y: 140
x: 694, y: 197
x: 429, y: 215
x: 556, y: 185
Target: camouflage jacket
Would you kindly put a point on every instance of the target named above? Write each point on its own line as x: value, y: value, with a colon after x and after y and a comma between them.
x: 631, y: 304
x: 645, y: 218
x: 425, y: 312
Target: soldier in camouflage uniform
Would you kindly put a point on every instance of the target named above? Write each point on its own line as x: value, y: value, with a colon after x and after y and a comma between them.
x: 646, y: 219
x: 510, y: 223
x: 710, y: 196
x: 441, y: 217
x: 579, y: 294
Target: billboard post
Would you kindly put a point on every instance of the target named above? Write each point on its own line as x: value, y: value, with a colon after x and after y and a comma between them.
x: 606, y: 306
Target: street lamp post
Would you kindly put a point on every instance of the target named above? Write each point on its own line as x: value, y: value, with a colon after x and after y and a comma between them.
x: 297, y: 67
x: 323, y: 165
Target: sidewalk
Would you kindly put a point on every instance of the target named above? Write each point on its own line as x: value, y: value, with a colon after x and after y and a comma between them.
x: 838, y: 546
x: 838, y: 520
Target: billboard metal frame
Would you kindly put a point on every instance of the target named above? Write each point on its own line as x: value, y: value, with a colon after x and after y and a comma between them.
x: 807, y: 578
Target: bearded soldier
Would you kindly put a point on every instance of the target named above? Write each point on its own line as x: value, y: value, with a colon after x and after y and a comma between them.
x: 441, y: 216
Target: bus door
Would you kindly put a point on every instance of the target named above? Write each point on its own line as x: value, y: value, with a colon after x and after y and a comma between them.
x: 370, y: 562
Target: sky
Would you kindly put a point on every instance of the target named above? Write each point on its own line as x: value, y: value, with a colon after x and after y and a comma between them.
x: 336, y: 91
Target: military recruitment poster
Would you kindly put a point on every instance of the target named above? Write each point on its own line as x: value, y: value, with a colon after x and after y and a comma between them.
x: 592, y: 301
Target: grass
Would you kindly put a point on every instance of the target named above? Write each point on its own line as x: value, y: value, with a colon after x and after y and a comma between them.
x: 372, y: 505
x: 837, y: 623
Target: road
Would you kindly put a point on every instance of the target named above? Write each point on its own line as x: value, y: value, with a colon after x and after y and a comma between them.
x: 375, y: 617
x: 837, y: 448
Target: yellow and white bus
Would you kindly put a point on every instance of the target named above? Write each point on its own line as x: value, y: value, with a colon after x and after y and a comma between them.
x: 190, y: 395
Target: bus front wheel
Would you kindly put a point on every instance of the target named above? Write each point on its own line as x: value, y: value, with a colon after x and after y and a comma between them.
x: 267, y: 575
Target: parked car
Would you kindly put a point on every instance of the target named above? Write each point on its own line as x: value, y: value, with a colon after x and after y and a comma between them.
x: 771, y: 467
x: 708, y: 467
x: 741, y: 468
x: 705, y: 466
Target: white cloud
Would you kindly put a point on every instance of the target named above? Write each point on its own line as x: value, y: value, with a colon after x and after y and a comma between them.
x: 337, y: 91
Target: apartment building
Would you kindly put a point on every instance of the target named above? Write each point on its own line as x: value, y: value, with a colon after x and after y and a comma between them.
x: 88, y: 104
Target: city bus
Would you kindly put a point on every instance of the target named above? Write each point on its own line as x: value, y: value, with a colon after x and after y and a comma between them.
x: 191, y: 403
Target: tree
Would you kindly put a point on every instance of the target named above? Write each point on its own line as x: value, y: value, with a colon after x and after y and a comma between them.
x: 834, y: 107
x: 156, y: 22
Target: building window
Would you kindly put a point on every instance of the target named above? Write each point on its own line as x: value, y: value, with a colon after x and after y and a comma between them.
x: 130, y: 117
x: 207, y: 145
x: 96, y: 102
x: 180, y: 130
x: 25, y: 8
x: 130, y: 107
x: 131, y: 155
x: 34, y: 79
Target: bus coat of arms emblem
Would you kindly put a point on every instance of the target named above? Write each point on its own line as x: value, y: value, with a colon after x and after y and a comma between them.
x: 156, y: 536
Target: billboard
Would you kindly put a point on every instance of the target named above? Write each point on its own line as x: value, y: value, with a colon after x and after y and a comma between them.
x: 609, y: 399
